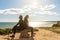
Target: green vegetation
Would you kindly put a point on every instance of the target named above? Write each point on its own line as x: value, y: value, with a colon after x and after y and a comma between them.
x: 4, y: 31
x: 7, y: 30
x: 54, y: 29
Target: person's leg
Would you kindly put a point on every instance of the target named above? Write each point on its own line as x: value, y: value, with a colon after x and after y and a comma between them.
x: 13, y: 33
x: 31, y: 32
x: 14, y: 30
x: 31, y: 28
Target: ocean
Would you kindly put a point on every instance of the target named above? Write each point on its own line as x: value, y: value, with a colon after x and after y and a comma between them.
x: 7, y: 24
x: 32, y: 24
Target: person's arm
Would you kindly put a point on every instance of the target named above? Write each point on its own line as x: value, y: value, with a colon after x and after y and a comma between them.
x: 17, y: 23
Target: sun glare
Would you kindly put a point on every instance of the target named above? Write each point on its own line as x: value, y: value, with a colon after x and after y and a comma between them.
x: 35, y: 24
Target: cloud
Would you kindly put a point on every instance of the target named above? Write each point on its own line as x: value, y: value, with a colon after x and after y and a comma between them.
x: 47, y: 7
x: 11, y: 11
x: 14, y: 11
x: 40, y: 7
x: 28, y: 10
x: 32, y: 7
x: 42, y: 10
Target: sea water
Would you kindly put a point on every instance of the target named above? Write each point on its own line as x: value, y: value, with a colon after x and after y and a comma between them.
x: 32, y: 24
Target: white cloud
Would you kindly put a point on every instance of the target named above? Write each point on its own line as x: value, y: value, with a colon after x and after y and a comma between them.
x: 1, y: 11
x: 32, y: 7
x: 47, y: 7
x: 11, y: 11
x: 42, y: 10
x: 40, y: 7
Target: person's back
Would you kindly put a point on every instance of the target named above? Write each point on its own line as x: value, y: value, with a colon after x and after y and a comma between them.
x: 26, y: 23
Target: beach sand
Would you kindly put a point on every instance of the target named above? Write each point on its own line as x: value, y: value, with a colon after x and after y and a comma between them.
x: 42, y: 34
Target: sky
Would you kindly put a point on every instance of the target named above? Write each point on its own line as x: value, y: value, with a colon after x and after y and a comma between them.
x: 38, y: 10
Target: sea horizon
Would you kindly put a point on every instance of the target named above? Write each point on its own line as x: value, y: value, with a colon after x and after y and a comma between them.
x: 32, y: 24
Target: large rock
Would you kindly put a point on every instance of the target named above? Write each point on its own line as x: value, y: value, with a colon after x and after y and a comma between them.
x: 24, y: 34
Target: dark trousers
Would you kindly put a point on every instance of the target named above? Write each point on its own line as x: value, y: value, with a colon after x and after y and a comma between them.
x: 15, y: 29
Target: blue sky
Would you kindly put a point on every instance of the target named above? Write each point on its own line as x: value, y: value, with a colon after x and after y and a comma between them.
x: 38, y: 10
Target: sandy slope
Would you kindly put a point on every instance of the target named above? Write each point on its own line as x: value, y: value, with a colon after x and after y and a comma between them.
x: 46, y: 35
x: 40, y: 35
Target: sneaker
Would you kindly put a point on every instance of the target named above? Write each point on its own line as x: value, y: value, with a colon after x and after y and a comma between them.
x: 12, y: 36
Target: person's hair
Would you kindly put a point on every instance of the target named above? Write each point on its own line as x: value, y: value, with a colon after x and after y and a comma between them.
x: 26, y: 17
x: 20, y: 17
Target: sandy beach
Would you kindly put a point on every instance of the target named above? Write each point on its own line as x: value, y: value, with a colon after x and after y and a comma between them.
x: 42, y: 34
